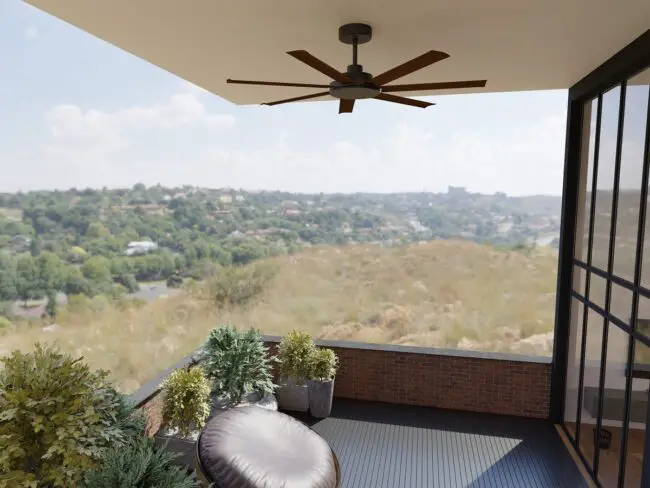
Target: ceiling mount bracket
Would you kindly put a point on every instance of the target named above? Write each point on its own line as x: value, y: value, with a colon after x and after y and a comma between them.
x: 355, y: 33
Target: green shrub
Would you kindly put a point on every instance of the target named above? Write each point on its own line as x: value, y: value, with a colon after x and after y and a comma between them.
x: 240, y: 286
x: 6, y: 309
x: 323, y: 364
x: 237, y: 363
x: 139, y: 464
x: 78, y: 303
x: 57, y: 417
x: 100, y: 303
x: 186, y: 400
x: 294, y: 353
x: 5, y: 325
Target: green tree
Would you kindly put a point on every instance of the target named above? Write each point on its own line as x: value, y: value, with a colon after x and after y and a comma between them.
x: 27, y: 279
x: 52, y: 306
x: 97, y: 272
x: 50, y: 271
x: 8, y: 277
x: 97, y: 230
x: 35, y: 246
x: 74, y: 282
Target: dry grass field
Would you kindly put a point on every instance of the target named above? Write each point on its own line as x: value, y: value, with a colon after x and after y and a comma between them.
x: 447, y: 294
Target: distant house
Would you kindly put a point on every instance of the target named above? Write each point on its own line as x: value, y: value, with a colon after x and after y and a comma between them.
x: 456, y: 190
x: 142, y: 247
x: 225, y: 198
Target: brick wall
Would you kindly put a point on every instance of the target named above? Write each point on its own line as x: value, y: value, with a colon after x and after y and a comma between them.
x: 476, y: 384
x: 153, y: 412
x: 397, y: 374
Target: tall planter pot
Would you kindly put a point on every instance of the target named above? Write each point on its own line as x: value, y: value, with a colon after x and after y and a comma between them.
x: 292, y: 395
x: 321, y: 395
x: 267, y: 401
x: 184, y: 447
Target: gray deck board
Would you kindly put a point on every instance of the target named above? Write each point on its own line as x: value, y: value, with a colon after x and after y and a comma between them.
x: 392, y: 446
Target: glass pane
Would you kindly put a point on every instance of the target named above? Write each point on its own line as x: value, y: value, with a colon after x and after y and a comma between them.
x: 583, y: 224
x: 579, y: 280
x: 621, y: 303
x: 637, y: 426
x: 629, y: 197
x: 605, y: 177
x: 573, y: 370
x: 643, y: 316
x: 590, y: 395
x: 597, y: 289
x: 613, y: 405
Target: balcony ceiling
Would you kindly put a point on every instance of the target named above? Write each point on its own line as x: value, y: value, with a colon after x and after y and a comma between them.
x: 515, y: 45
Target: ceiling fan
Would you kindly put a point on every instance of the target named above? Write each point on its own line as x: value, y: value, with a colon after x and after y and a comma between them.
x: 356, y: 84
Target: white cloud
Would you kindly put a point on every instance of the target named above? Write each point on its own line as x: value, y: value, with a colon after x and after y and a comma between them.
x: 150, y: 144
x: 31, y: 32
x: 73, y: 129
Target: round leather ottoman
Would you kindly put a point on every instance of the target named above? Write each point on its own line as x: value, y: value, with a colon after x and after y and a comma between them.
x: 252, y: 447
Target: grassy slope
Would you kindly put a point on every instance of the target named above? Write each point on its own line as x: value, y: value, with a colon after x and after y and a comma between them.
x: 435, y: 294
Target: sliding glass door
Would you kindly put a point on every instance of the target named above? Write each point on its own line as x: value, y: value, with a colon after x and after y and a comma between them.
x: 608, y: 358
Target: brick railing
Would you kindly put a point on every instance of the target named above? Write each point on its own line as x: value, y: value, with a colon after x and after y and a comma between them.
x: 507, y: 384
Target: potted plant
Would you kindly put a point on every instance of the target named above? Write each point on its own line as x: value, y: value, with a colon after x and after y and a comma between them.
x: 140, y: 463
x: 186, y: 406
x: 55, y: 412
x: 239, y: 367
x: 323, y: 364
x: 293, y: 355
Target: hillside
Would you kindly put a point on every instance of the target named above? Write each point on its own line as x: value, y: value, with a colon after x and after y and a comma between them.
x: 440, y: 294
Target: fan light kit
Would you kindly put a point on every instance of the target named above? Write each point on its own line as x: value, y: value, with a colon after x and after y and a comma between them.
x: 356, y: 84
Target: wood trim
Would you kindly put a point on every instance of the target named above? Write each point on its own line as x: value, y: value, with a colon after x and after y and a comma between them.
x: 574, y: 455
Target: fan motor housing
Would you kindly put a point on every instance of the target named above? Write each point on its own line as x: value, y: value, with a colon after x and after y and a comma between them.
x: 357, y: 91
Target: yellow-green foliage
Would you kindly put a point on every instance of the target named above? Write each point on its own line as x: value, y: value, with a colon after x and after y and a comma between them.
x: 323, y: 364
x: 186, y: 400
x: 293, y: 354
x: 5, y: 325
x: 56, y: 419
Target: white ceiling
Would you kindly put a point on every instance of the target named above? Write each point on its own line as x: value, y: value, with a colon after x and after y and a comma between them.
x: 514, y: 44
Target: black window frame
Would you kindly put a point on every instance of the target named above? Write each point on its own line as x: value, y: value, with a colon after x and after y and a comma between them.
x: 628, y: 62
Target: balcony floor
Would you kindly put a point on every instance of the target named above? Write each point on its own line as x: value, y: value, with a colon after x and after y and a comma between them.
x: 393, y: 446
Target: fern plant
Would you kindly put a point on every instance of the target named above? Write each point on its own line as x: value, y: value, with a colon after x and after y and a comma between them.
x: 139, y: 464
x: 57, y: 417
x: 186, y: 400
x: 238, y: 363
x: 294, y: 353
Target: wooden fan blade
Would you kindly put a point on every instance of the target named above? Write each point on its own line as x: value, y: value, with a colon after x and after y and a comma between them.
x: 319, y: 65
x: 409, y: 67
x: 444, y: 85
x: 346, y: 106
x: 275, y: 83
x: 296, y: 99
x: 403, y: 100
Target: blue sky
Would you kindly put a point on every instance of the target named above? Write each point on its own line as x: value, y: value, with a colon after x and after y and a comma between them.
x: 76, y: 111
